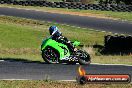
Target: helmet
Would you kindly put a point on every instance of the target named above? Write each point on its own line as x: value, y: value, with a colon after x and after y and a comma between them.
x: 53, y: 30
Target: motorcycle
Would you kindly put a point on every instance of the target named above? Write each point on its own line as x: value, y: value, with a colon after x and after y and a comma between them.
x: 54, y: 52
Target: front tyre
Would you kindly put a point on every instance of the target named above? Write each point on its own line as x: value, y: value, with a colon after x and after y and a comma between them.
x: 50, y: 55
x: 83, y: 57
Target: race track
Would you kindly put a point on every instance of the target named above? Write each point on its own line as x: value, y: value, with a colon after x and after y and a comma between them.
x: 31, y: 70
x: 40, y: 71
x: 80, y: 21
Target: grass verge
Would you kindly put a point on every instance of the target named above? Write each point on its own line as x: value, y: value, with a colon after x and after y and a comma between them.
x: 127, y: 16
x: 56, y: 84
x: 21, y: 39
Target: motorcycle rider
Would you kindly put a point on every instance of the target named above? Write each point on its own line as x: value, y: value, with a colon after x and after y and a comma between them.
x: 57, y: 36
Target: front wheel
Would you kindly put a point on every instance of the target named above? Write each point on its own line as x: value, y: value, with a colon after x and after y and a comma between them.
x: 83, y: 57
x: 50, y: 55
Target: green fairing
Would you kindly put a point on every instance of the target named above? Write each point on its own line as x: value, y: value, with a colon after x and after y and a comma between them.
x: 76, y: 43
x: 52, y: 43
x: 55, y: 52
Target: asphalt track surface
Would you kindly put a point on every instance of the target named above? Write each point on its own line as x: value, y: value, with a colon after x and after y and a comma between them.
x: 40, y: 71
x: 121, y: 27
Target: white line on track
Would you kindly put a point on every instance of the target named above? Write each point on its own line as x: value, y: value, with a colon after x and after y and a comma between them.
x: 78, y: 27
x: 122, y: 34
x: 116, y: 33
x: 66, y: 24
x: 73, y: 26
x: 91, y: 29
x: 110, y: 64
x: 97, y: 30
x: 1, y: 60
x: 84, y: 28
x: 103, y: 31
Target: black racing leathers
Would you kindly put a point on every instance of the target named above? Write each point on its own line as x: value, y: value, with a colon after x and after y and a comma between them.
x: 61, y: 39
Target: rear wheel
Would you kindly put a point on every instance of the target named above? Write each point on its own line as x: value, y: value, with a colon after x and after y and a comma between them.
x: 83, y: 57
x: 50, y: 55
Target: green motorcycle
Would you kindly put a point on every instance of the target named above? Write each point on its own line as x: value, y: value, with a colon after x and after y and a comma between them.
x: 54, y: 52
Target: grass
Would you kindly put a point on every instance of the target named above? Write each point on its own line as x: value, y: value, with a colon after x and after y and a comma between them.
x: 44, y: 0
x: 56, y: 84
x: 127, y: 16
x: 18, y: 35
x: 22, y: 57
x: 21, y: 39
x: 25, y: 39
x: 117, y: 59
x: 55, y: 0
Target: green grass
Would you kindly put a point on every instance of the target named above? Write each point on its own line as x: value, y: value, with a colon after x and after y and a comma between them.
x: 22, y: 36
x: 22, y: 57
x: 21, y: 39
x: 117, y: 59
x: 16, y: 36
x: 44, y: 0
x: 55, y: 0
x: 56, y: 84
x: 108, y: 14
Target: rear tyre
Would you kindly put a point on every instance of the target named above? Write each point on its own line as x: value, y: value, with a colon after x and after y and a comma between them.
x: 83, y: 57
x: 50, y: 55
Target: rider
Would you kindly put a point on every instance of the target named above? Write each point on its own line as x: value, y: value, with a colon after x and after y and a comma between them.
x: 57, y: 36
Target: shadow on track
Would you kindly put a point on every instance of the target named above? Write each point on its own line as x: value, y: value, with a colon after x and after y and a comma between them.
x: 21, y: 60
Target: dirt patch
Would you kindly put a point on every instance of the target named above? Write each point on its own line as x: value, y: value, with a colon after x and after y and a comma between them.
x: 82, y: 14
x: 89, y: 50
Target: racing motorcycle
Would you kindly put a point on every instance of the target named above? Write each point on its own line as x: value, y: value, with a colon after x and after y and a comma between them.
x: 54, y: 52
